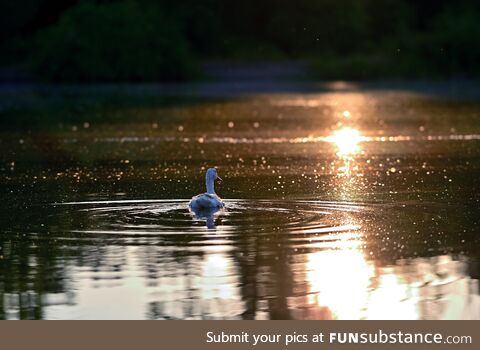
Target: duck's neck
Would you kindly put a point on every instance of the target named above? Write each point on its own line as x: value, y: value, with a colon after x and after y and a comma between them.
x: 210, y: 186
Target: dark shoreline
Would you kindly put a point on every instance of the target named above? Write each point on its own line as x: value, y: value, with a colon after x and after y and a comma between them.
x: 455, y: 88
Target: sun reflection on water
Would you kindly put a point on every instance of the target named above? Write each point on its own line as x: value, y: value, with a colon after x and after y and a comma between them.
x: 332, y: 275
x: 346, y: 140
x: 344, y: 281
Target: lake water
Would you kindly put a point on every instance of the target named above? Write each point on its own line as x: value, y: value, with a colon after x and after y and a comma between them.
x: 342, y: 204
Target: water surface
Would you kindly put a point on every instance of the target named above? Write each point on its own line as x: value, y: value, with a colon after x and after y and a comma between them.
x: 339, y: 205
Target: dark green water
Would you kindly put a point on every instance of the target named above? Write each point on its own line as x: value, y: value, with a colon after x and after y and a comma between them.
x: 343, y: 205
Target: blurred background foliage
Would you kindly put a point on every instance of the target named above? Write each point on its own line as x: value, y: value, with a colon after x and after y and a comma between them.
x: 143, y: 40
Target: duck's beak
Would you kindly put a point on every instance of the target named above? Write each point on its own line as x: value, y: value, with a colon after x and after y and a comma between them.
x: 219, y: 179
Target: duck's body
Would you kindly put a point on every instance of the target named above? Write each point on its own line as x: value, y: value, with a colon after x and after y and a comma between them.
x: 205, y: 201
x: 208, y: 200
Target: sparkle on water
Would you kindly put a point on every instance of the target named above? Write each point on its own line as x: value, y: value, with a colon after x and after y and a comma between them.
x: 339, y: 205
x: 346, y: 140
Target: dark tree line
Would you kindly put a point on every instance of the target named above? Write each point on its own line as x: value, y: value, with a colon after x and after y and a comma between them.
x: 86, y: 40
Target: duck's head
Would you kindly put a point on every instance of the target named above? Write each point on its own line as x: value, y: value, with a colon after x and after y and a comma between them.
x: 212, y: 175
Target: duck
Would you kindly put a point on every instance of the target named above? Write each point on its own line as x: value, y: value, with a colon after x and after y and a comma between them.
x: 208, y: 201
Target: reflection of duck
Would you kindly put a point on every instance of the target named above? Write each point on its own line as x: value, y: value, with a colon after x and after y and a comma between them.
x: 207, y: 214
x: 208, y: 200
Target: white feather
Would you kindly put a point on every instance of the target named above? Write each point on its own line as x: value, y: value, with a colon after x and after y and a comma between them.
x: 210, y: 198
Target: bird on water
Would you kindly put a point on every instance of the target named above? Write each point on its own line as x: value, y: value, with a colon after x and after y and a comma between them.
x: 208, y: 200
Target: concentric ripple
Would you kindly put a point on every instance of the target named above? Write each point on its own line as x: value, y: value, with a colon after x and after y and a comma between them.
x: 170, y: 222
